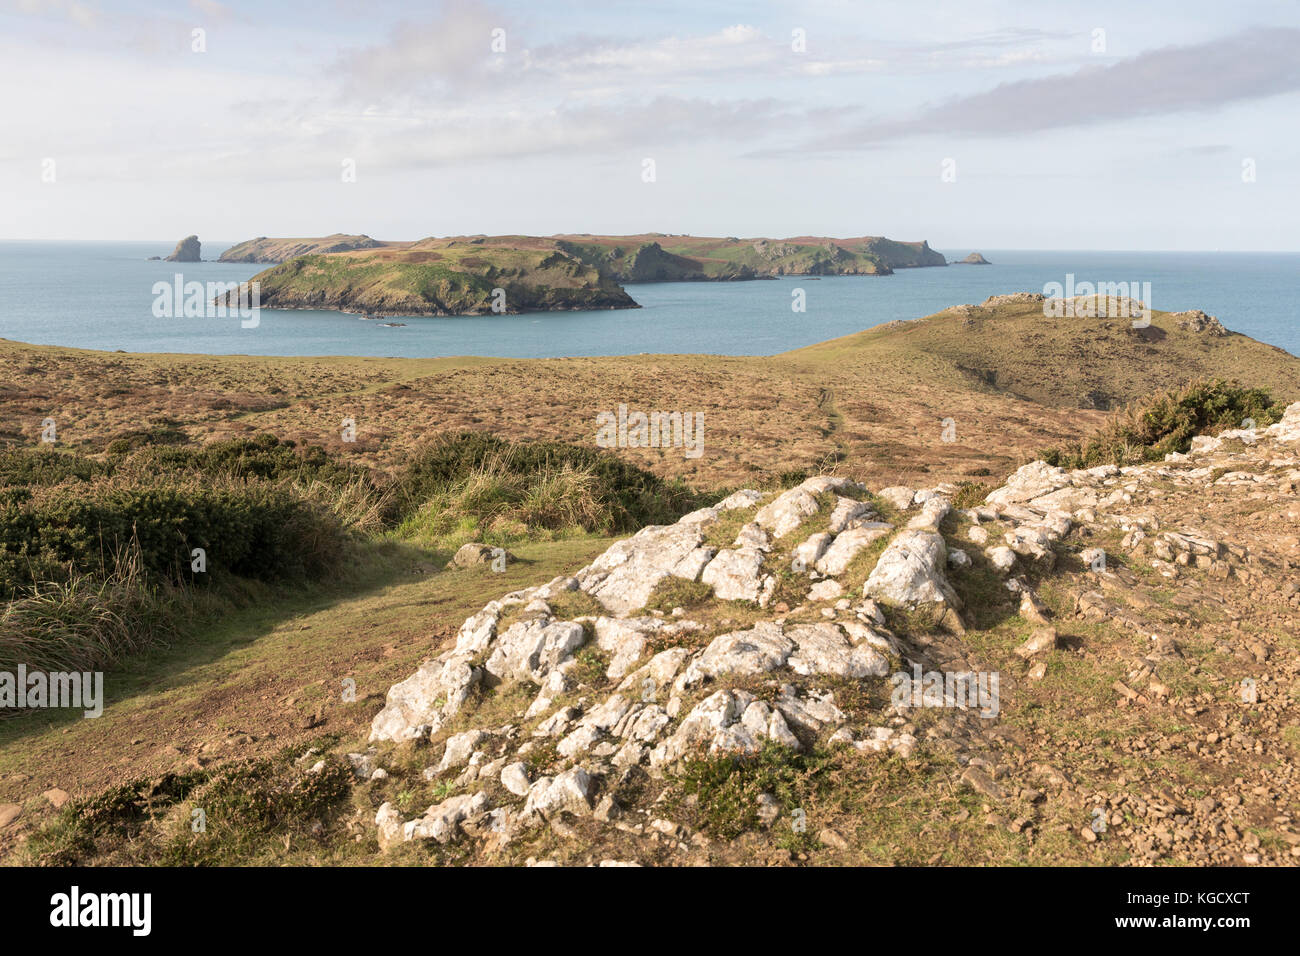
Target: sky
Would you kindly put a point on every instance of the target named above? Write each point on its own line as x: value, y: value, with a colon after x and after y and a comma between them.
x: 974, y: 125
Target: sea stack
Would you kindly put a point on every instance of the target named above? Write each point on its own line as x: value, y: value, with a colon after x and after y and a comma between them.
x: 187, y: 250
x: 975, y: 259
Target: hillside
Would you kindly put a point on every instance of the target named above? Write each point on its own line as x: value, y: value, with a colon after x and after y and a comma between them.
x: 267, y: 250
x: 771, y: 680
x: 1006, y: 345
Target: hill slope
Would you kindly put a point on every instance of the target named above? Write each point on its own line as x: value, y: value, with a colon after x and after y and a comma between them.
x: 263, y: 249
x: 1006, y: 345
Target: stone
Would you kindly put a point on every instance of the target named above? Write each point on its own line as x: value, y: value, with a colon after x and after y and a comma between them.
x: 833, y: 839
x: 459, y: 748
x: 442, y: 822
x: 515, y: 778
x: 1002, y: 558
x: 827, y: 590
x: 623, y: 577
x: 736, y: 575
x: 56, y: 797
x: 898, y: 496
x: 1029, y: 482
x: 476, y: 555
x: 910, y: 571
x: 1042, y: 640
x: 389, y: 822
x: 569, y: 792
x: 847, y: 514
x: 531, y: 649
x: 806, y: 555
x: 9, y: 812
x: 823, y: 649
x: 758, y: 650
x: 846, y: 546
x: 424, y: 700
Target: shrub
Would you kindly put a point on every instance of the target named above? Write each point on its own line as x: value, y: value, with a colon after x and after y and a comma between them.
x: 1166, y: 423
x: 252, y: 530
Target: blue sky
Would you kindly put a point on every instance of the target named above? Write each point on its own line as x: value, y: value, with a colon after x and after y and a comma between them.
x: 1053, y: 134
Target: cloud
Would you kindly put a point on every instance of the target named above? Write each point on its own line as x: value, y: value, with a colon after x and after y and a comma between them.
x: 1253, y: 64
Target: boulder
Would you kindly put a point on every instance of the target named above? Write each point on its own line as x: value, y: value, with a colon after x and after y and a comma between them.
x: 910, y: 571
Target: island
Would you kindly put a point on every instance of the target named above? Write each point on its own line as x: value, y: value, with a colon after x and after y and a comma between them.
x: 187, y: 250
x: 974, y: 259
x: 480, y: 275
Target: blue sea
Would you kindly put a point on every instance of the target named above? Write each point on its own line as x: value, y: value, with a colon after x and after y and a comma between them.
x: 99, y: 295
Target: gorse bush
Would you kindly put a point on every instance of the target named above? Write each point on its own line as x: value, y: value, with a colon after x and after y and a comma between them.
x: 1166, y: 423
x: 26, y: 467
x: 253, y: 530
x: 263, y: 457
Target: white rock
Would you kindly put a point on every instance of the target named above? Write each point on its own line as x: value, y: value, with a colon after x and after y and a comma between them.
x: 898, y: 496
x: 389, y: 822
x: 459, y: 748
x: 569, y: 792
x: 847, y: 514
x: 1002, y: 558
x: 827, y: 590
x: 823, y: 649
x: 758, y: 650
x: 848, y: 545
x: 514, y: 777
x: 736, y: 575
x: 910, y: 571
x: 442, y: 822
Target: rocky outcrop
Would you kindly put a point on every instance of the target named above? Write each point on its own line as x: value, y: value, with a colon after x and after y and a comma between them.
x: 974, y: 259
x: 187, y: 250
x: 672, y: 686
x: 690, y: 684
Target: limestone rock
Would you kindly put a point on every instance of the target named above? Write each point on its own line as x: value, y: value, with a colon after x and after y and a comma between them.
x: 910, y: 571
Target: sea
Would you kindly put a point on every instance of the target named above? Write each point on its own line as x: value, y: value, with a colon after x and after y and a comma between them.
x: 102, y: 295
